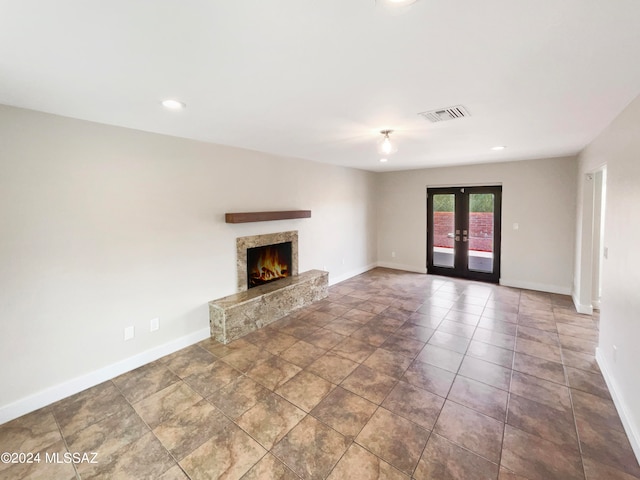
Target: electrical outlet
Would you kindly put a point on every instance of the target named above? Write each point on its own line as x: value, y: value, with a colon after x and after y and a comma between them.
x: 154, y: 324
x: 516, y: 226
x: 129, y: 332
x: 393, y: 254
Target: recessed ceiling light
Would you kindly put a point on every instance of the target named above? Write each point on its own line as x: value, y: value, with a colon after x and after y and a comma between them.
x: 498, y: 147
x: 397, y: 2
x: 383, y: 160
x: 173, y: 105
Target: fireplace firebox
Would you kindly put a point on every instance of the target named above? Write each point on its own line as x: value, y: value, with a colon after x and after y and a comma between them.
x: 268, y: 263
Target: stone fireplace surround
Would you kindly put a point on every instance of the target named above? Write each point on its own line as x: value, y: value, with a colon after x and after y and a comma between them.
x: 236, y: 315
x: 243, y: 243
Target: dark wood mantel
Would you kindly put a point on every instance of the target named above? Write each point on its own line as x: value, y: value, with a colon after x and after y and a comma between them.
x: 265, y: 216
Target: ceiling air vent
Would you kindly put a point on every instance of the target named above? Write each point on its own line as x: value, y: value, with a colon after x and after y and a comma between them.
x: 444, y: 114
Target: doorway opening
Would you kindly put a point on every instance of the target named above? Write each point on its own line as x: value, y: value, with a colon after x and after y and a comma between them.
x: 463, y: 232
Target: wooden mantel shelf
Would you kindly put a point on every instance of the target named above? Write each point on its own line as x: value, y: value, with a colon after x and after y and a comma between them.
x: 265, y: 216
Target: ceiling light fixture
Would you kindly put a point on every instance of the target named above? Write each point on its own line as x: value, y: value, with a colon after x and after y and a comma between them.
x: 385, y: 146
x: 173, y: 105
x: 498, y: 147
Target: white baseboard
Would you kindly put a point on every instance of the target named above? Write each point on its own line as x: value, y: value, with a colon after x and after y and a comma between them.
x: 581, y: 307
x: 58, y: 392
x: 540, y: 287
x: 400, y: 266
x: 351, y: 273
x: 621, y: 405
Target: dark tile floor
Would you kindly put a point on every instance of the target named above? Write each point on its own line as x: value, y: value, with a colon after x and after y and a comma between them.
x: 395, y: 376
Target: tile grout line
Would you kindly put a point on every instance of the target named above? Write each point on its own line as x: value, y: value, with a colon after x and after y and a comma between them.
x: 66, y: 445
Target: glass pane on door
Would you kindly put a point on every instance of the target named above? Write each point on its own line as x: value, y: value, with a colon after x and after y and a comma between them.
x: 444, y: 223
x: 481, y: 235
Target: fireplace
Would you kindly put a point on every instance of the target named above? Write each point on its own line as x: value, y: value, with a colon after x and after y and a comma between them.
x: 268, y: 263
x: 266, y: 258
x: 236, y: 315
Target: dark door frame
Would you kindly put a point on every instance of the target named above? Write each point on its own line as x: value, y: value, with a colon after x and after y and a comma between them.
x: 460, y: 268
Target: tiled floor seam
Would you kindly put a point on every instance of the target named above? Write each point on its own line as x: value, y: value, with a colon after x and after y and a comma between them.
x: 64, y: 441
x: 575, y: 424
x: 573, y: 412
x: 506, y: 415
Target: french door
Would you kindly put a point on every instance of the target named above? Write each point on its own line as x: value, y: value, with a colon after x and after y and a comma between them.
x: 463, y: 232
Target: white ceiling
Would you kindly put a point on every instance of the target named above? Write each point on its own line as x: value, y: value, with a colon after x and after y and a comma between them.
x: 318, y: 79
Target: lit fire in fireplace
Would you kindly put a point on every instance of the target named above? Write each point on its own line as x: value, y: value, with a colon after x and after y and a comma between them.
x: 268, y: 267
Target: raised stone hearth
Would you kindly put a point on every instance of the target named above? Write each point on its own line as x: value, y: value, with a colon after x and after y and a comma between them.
x: 236, y: 315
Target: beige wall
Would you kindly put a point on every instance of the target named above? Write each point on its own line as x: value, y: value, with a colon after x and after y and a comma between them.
x: 618, y: 147
x: 104, y: 227
x: 539, y: 195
